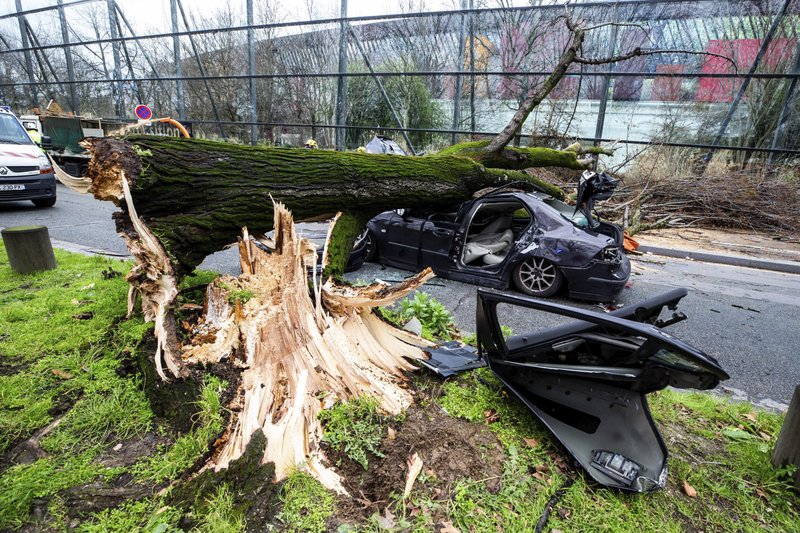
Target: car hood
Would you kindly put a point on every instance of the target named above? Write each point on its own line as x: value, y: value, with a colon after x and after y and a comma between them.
x: 19, y: 154
x: 565, y: 244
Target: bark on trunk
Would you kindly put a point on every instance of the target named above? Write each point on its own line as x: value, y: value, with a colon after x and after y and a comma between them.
x: 195, y: 196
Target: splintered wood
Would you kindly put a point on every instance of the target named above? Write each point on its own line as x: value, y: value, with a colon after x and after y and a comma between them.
x: 154, y: 279
x: 299, y: 354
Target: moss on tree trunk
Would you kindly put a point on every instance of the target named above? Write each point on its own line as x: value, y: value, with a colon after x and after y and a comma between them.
x: 196, y: 195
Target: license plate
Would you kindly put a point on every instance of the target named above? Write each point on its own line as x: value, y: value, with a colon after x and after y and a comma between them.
x: 11, y: 187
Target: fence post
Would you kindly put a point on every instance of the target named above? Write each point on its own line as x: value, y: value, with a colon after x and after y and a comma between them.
x: 601, y: 112
x: 176, y: 58
x: 73, y: 97
x: 251, y: 68
x: 28, y: 61
x: 472, y: 67
x: 341, y: 88
x: 459, y: 67
x: 116, y: 89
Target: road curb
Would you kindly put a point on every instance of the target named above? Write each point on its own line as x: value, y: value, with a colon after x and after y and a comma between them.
x: 789, y: 267
x: 87, y: 250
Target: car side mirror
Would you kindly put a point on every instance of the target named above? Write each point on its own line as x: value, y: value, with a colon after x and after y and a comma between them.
x: 47, y: 142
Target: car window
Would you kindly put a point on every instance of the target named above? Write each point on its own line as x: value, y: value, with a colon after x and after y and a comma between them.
x: 11, y: 131
x: 567, y: 211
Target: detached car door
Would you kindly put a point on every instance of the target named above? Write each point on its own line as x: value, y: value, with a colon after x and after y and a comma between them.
x: 587, y: 380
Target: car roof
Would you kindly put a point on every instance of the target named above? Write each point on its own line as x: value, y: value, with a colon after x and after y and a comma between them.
x: 535, y: 201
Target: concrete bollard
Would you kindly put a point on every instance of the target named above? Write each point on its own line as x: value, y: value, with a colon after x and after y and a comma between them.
x: 29, y: 249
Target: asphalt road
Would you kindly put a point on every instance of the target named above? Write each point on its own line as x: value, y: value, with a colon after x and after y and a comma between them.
x: 748, y: 319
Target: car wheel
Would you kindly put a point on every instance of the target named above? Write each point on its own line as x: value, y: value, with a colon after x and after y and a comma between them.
x: 537, y: 276
x: 44, y: 202
x: 372, y: 248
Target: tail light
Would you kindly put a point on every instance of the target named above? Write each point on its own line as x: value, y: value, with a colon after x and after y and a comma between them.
x: 610, y: 254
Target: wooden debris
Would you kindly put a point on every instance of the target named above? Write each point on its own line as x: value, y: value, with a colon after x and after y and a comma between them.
x: 414, y: 468
x: 293, y: 348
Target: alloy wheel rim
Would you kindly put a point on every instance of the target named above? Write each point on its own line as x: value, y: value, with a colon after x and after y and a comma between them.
x: 537, y: 274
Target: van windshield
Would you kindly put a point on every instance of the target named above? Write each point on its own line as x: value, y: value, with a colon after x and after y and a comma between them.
x: 11, y: 131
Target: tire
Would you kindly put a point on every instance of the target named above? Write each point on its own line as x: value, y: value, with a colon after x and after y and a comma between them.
x: 537, y: 276
x: 44, y: 202
x: 372, y: 248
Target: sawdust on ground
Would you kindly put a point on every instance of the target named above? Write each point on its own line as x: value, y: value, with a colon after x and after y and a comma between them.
x: 723, y: 241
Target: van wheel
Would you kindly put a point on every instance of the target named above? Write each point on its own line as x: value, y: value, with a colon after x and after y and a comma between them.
x: 537, y: 276
x: 44, y: 202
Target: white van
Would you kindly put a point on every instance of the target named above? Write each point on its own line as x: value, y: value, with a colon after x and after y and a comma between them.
x: 25, y: 171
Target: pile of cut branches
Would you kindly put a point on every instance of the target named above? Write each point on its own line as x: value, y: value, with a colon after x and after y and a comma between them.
x: 737, y: 200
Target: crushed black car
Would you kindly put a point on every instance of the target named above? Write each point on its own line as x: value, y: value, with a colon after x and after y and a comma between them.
x: 528, y: 240
x: 587, y: 380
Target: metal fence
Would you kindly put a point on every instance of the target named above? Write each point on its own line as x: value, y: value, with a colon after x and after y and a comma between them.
x: 432, y: 78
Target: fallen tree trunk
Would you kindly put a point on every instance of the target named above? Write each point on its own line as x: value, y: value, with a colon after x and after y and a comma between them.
x: 298, y: 349
x: 195, y: 195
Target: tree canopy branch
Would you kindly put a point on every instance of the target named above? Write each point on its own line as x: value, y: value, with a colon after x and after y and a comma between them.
x: 569, y: 56
x: 636, y: 52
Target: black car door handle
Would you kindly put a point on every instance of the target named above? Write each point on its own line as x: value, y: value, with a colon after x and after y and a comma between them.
x: 442, y: 233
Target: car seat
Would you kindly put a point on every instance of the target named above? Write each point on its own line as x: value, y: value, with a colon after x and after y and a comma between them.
x: 491, y: 243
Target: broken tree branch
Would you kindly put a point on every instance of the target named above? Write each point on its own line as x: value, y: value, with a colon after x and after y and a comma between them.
x: 536, y: 97
x: 636, y: 52
x: 298, y: 356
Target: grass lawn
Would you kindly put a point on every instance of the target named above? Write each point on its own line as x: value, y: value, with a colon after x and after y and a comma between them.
x: 81, y: 445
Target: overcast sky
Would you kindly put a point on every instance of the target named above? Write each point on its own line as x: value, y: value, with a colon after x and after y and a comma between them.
x: 153, y: 16
x: 148, y: 12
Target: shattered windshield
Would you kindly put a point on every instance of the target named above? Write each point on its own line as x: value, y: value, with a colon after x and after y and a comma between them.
x: 11, y: 131
x: 567, y: 211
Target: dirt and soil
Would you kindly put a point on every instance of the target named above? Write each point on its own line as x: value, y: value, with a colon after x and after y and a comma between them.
x: 451, y: 450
